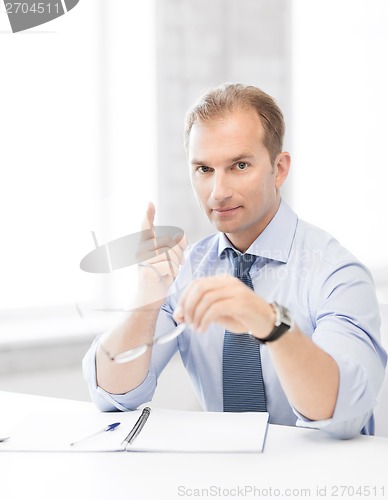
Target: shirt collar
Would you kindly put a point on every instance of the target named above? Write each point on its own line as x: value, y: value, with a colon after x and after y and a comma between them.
x: 275, y: 241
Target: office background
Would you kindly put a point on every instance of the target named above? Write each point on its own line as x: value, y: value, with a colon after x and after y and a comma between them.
x: 91, y: 129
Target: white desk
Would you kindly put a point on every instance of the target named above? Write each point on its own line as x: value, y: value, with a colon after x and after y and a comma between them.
x: 294, y: 459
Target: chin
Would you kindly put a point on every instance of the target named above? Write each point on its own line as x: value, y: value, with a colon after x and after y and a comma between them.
x: 225, y: 228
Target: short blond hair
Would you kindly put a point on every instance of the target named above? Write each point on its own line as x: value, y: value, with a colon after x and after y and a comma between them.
x: 231, y: 96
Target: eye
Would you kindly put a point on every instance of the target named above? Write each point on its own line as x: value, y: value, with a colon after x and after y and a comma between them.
x: 203, y: 169
x: 242, y: 165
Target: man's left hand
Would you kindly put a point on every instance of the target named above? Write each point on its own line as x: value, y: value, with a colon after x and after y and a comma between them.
x: 227, y: 301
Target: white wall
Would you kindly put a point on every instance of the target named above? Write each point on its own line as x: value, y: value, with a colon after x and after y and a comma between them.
x: 339, y: 124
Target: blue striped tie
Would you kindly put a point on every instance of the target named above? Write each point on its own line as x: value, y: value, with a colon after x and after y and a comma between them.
x: 243, y: 385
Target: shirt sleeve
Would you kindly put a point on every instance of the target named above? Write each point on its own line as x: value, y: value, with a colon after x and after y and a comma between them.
x: 161, y: 354
x: 345, y: 314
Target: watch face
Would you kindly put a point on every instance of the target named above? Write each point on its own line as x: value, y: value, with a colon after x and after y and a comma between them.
x: 285, y: 316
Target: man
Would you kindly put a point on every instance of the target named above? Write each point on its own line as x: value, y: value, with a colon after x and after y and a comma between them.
x: 301, y: 341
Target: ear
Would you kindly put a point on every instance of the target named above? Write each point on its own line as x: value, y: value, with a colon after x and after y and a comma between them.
x: 281, y: 168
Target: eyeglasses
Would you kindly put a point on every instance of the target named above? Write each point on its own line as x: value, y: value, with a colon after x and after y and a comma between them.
x: 136, y: 352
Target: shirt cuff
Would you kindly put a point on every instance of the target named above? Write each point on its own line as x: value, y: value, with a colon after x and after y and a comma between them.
x: 106, y: 401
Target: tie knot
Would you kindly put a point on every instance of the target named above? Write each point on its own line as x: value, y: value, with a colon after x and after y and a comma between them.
x: 242, y: 263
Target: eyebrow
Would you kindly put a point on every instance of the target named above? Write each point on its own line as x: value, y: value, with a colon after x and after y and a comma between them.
x: 234, y: 159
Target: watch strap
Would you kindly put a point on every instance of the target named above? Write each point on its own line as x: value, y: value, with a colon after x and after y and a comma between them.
x: 283, y: 323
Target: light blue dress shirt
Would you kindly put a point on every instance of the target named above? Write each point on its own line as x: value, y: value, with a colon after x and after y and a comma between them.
x: 331, y: 297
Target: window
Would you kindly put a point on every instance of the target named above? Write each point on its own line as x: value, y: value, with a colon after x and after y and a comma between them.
x: 77, y: 134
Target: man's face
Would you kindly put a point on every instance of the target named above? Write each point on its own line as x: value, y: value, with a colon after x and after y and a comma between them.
x: 232, y: 175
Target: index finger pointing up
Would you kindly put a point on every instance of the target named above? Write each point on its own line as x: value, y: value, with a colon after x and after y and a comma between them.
x: 147, y: 226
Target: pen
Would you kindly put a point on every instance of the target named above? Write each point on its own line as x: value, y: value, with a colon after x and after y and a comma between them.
x: 136, y: 429
x: 110, y: 427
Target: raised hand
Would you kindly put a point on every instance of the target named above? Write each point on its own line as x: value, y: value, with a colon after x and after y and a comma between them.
x: 159, y: 259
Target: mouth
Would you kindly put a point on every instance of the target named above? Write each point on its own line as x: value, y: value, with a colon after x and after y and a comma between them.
x: 225, y: 211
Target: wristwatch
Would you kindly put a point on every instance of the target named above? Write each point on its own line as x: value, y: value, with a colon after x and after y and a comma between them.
x: 283, y: 323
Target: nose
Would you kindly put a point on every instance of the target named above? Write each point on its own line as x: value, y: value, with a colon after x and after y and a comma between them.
x: 221, y: 189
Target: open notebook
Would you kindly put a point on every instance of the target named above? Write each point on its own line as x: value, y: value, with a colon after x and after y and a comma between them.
x: 164, y: 431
